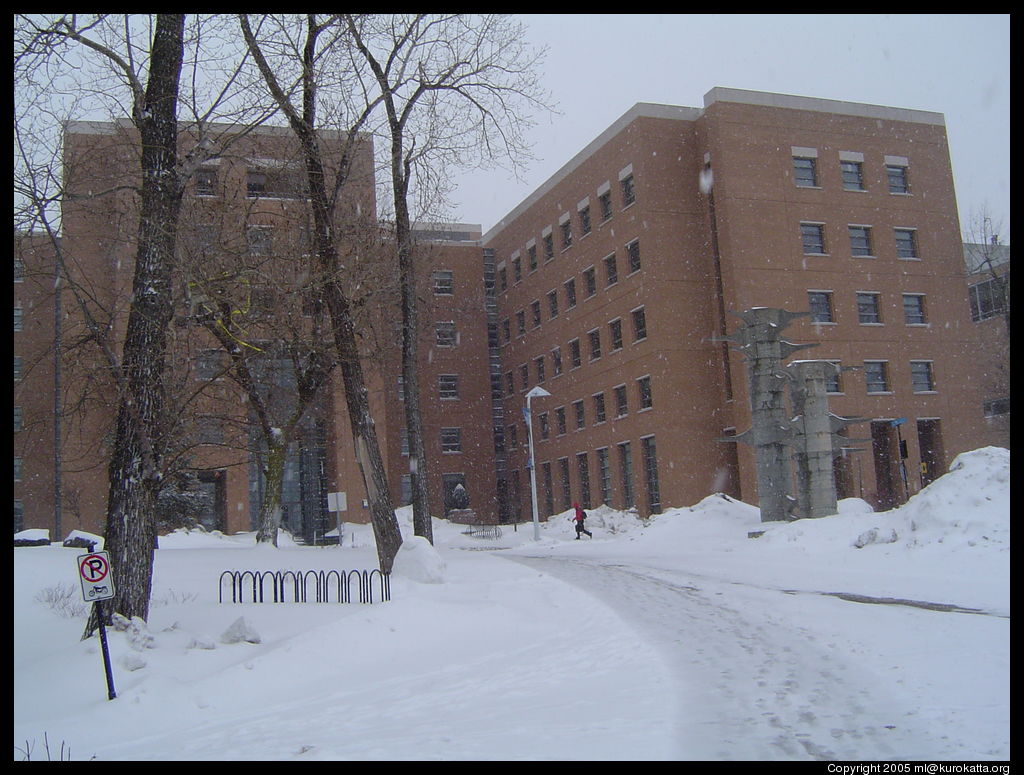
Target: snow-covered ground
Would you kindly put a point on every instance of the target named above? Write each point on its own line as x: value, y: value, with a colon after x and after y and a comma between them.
x: 860, y: 636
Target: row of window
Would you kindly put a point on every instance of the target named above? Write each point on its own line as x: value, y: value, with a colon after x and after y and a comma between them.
x: 627, y: 194
x: 583, y: 494
x: 277, y: 180
x: 861, y: 237
x: 594, y: 342
x: 877, y: 378
x: 610, y: 276
x: 869, y: 309
x: 851, y: 171
x: 557, y: 421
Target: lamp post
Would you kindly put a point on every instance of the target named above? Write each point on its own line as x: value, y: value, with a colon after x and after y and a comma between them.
x: 537, y: 392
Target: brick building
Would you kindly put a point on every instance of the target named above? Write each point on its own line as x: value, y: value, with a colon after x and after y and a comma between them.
x: 617, y: 274
x: 608, y: 286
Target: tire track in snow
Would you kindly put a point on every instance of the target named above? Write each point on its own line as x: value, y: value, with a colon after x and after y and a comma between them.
x: 751, y: 684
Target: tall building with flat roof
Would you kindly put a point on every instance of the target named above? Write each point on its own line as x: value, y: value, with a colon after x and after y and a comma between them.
x: 617, y: 276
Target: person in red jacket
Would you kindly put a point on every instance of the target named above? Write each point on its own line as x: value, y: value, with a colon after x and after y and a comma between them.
x: 578, y: 520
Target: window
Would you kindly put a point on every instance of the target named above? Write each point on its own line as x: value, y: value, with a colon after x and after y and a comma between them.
x: 19, y: 419
x: 506, y: 330
x: 590, y: 281
x: 594, y: 339
x: 17, y: 469
x: 531, y: 254
x: 867, y: 308
x: 921, y: 376
x: 403, y: 440
x: 206, y: 182
x: 503, y: 279
x: 445, y: 334
x: 605, y: 201
x: 860, y: 240
x: 876, y: 376
x: 17, y: 368
x: 524, y: 376
x: 261, y: 240
x: 553, y: 303
x: 443, y: 283
x: 988, y: 298
x: 563, y: 473
x: 898, y: 181
x: 279, y: 180
x: 209, y: 364
x: 833, y: 384
x: 585, y: 219
x: 853, y: 175
x: 517, y: 269
x: 996, y: 407
x: 580, y: 414
x: 639, y: 324
x: 813, y: 237
x: 606, y: 475
x: 628, y: 191
x: 510, y: 385
x: 913, y: 309
x: 820, y: 303
x: 400, y: 386
x: 599, y: 415
x: 539, y: 365
x: 611, y: 273
x: 556, y: 361
x: 906, y: 243
x: 512, y: 435
x: 545, y: 426
x: 583, y: 473
x: 521, y: 323
x: 548, y: 495
x: 615, y: 329
x: 18, y: 317
x: 451, y: 439
x: 560, y: 426
x: 566, y: 228
x: 570, y: 293
x: 650, y: 454
x: 633, y: 255
x: 535, y: 313
x: 626, y: 468
x: 644, y: 388
x: 448, y: 386
x: 574, y: 353
x: 621, y: 401
x: 805, y: 172
x: 19, y: 269
x: 549, y: 247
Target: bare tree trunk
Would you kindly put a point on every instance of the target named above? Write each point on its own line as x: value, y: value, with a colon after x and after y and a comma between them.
x: 134, y: 472
x: 270, y: 510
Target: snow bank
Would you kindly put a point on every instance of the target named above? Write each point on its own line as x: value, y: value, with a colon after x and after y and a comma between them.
x: 418, y: 561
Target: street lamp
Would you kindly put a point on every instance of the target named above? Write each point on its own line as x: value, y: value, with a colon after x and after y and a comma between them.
x: 537, y: 392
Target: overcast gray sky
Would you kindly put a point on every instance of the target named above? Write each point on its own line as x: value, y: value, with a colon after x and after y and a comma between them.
x: 600, y: 65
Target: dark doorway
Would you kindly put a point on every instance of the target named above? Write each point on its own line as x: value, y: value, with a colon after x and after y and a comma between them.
x: 449, y: 483
x: 211, y: 484
x: 884, y: 451
x: 933, y: 454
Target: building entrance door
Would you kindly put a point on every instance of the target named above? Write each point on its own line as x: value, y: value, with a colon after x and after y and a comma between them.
x: 933, y: 455
x: 883, y: 449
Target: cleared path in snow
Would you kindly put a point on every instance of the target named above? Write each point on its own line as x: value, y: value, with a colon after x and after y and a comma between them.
x: 764, y: 675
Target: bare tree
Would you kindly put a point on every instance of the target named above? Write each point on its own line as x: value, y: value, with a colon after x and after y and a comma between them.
x: 454, y: 88
x: 131, y: 66
x: 305, y: 49
x: 987, y: 255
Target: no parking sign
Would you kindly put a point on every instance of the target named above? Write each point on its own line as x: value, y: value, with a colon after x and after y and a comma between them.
x: 98, y: 584
x: 94, y: 573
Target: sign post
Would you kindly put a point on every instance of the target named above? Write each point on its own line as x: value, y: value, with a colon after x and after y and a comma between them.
x: 98, y: 585
x: 337, y: 502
